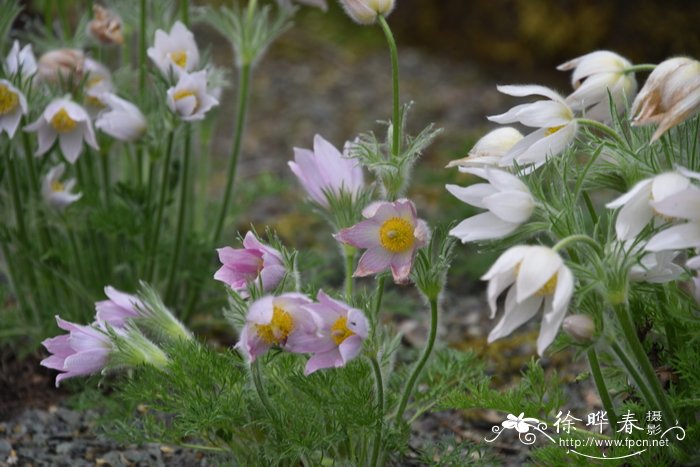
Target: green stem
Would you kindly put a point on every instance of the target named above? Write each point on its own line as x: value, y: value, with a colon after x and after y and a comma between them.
x: 106, y: 176
x: 260, y: 389
x: 185, y: 11
x: 396, y: 120
x: 16, y: 200
x: 182, y: 214
x: 63, y: 17
x: 243, y: 95
x: 142, y: 49
x: 578, y: 238
x: 600, y: 385
x: 408, y: 390
x: 349, y: 268
x: 379, y: 386
x: 31, y: 167
x: 634, y: 374
x: 379, y: 294
x: 642, y: 67
x: 601, y: 127
x: 165, y: 181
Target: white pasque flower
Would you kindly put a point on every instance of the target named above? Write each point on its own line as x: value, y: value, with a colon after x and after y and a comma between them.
x: 121, y: 120
x: 189, y: 99
x: 13, y: 105
x: 595, y: 75
x: 537, y: 278
x: 56, y: 193
x: 640, y: 204
x: 654, y: 267
x: 97, y: 83
x: 67, y: 121
x: 176, y: 51
x: 20, y: 60
x: 488, y: 151
x: 554, y: 120
x: 366, y: 11
x: 507, y: 199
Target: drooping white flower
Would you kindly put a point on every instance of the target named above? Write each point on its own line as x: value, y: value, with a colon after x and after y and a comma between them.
x: 121, y: 120
x: 670, y: 95
x: 20, y: 60
x: 176, y: 51
x: 56, y: 193
x: 366, y: 11
x: 189, y: 99
x: 13, y: 105
x: 595, y: 75
x: 639, y: 205
x: 536, y: 278
x: 654, y: 267
x: 554, y: 120
x: 67, y: 121
x: 488, y: 151
x: 97, y: 83
x: 507, y: 199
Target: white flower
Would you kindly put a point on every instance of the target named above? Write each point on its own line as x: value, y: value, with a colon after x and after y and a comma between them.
x: 69, y: 122
x: 670, y: 95
x: 176, y: 51
x: 507, y: 199
x: 596, y: 74
x: 121, y: 120
x: 97, y: 83
x: 554, y: 119
x: 640, y: 204
x: 489, y: 150
x: 537, y: 279
x: 56, y: 193
x: 655, y: 267
x: 189, y: 98
x: 366, y: 11
x: 13, y: 105
x: 20, y: 59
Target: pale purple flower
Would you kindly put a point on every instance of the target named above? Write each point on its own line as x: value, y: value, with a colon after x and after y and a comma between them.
x: 20, y: 60
x: 176, y: 50
x: 189, y: 98
x: 391, y: 235
x: 341, y: 332
x: 276, y: 321
x: 83, y: 351
x: 324, y: 171
x: 118, y: 308
x: 13, y: 105
x: 56, y: 193
x: 255, y: 262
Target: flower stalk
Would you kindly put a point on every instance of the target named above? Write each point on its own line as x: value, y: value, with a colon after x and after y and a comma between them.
x: 601, y: 386
x: 379, y: 386
x: 396, y: 119
x: 181, y: 215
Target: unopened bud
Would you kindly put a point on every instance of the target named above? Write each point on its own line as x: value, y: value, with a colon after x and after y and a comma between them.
x: 366, y: 11
x: 62, y: 65
x: 580, y: 328
x: 106, y: 26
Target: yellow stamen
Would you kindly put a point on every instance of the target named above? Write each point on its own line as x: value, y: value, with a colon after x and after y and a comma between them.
x: 62, y: 122
x: 57, y: 186
x: 340, y: 330
x: 8, y: 100
x: 279, y: 328
x: 179, y: 58
x: 396, y: 235
x: 95, y: 102
x: 552, y: 130
x: 186, y: 93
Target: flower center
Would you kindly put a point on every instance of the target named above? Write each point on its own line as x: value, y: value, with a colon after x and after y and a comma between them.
x: 57, y: 186
x: 340, y: 330
x: 552, y: 130
x: 184, y: 93
x: 549, y: 287
x: 8, y: 100
x: 179, y: 58
x: 279, y: 328
x: 396, y: 235
x: 62, y: 122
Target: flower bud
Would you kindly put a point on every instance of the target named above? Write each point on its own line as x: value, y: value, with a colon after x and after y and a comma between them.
x: 580, y: 328
x: 366, y: 11
x: 106, y: 26
x: 62, y: 65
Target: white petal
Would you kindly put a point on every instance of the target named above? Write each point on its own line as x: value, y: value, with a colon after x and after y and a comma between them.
x: 551, y: 322
x: 536, y: 269
x: 633, y: 217
x: 515, y: 315
x: 511, y: 206
x: 684, y: 204
x: 507, y: 261
x: 484, y: 226
x: 642, y: 189
x: 676, y: 237
x: 529, y: 90
x: 472, y: 194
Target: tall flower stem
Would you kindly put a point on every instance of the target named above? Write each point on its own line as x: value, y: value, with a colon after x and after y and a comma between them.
x: 241, y: 113
x: 578, y: 238
x: 260, y: 389
x: 396, y: 120
x: 349, y: 267
x: 601, y: 386
x: 142, y: 81
x: 379, y: 386
x: 379, y: 294
x: 634, y: 373
x: 181, y: 215
x: 16, y: 200
x: 408, y: 390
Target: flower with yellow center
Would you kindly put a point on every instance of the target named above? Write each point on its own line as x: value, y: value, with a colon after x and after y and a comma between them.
x: 56, y: 193
x: 536, y: 279
x: 121, y: 120
x: 391, y: 235
x: 189, y: 98
x: 175, y: 52
x: 61, y: 121
x: 12, y: 106
x: 278, y: 329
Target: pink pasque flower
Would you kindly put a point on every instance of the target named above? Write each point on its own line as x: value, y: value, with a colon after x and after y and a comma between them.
x: 83, y: 351
x: 391, y: 234
x: 341, y: 332
x: 120, y: 307
x: 255, y: 262
x: 324, y: 171
x: 277, y: 321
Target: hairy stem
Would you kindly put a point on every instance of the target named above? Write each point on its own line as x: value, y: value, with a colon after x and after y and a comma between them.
x: 600, y: 385
x: 349, y: 267
x: 260, y: 389
x: 379, y: 386
x: 181, y: 215
x: 396, y: 119
x: 601, y: 127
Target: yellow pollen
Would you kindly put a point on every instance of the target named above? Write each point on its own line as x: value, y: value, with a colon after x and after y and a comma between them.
x: 94, y: 81
x: 57, y: 186
x: 340, y: 330
x: 278, y: 330
x: 95, y: 102
x: 396, y: 235
x: 8, y: 100
x: 62, y: 122
x: 552, y: 130
x: 179, y: 58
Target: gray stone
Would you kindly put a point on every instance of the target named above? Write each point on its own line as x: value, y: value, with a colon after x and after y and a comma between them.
x: 68, y: 416
x: 5, y: 447
x: 64, y: 448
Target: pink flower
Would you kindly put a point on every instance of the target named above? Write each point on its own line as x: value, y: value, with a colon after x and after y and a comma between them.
x: 325, y: 171
x: 83, y: 351
x: 342, y: 330
x: 120, y: 307
x: 254, y: 262
x: 277, y: 321
x: 391, y: 234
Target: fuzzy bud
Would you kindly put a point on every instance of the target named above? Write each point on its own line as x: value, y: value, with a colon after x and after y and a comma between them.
x: 106, y: 26
x: 580, y: 328
x: 366, y: 11
x: 62, y: 65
